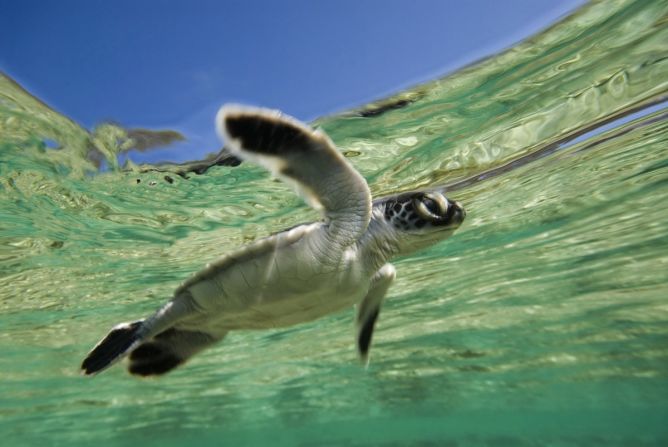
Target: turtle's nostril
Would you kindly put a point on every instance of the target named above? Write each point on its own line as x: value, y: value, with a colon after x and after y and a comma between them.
x: 460, y: 208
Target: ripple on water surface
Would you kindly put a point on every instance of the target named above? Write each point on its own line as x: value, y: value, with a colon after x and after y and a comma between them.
x: 543, y: 321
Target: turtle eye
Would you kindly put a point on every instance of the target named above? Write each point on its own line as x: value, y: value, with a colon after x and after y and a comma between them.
x: 431, y: 205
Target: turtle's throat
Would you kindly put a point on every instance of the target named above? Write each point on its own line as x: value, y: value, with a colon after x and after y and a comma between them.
x: 378, y: 244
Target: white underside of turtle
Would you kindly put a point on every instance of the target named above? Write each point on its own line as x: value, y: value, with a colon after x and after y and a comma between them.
x: 295, y: 276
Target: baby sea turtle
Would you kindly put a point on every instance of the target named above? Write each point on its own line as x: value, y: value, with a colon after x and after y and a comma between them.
x: 295, y: 276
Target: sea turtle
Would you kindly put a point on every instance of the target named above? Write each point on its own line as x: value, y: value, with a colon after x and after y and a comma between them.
x: 295, y: 276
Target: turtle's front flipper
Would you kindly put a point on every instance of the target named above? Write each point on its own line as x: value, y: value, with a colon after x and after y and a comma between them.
x: 369, y: 308
x: 305, y: 157
x: 168, y: 350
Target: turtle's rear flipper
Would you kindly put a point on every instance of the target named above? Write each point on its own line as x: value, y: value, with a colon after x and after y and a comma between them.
x: 118, y: 342
x: 168, y: 350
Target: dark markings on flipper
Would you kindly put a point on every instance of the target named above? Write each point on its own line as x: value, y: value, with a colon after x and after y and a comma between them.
x: 364, y: 340
x: 266, y: 135
x: 153, y: 358
x: 167, y: 350
x: 157, y: 366
x: 113, y: 346
x: 147, y: 351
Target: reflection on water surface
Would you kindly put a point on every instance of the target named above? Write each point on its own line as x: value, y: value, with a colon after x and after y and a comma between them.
x: 543, y: 321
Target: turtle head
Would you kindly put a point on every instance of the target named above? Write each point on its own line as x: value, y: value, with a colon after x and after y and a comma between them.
x: 422, y: 218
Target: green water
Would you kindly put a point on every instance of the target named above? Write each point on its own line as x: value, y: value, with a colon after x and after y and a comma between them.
x: 543, y: 321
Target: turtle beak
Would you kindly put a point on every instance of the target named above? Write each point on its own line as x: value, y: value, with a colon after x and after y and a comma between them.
x: 459, y: 211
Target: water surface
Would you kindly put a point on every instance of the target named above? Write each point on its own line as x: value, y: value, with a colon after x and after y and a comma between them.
x: 542, y: 322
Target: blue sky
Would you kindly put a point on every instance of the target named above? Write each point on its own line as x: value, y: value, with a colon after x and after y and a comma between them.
x: 171, y: 64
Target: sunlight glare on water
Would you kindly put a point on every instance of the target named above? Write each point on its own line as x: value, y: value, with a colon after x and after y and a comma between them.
x: 543, y: 321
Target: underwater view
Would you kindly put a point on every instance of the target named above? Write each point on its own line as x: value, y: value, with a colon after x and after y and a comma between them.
x: 543, y: 321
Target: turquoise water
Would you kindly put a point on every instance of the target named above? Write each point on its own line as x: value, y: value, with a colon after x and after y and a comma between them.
x: 543, y: 321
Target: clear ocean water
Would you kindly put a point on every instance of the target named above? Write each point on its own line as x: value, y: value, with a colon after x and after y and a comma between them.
x: 543, y: 322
